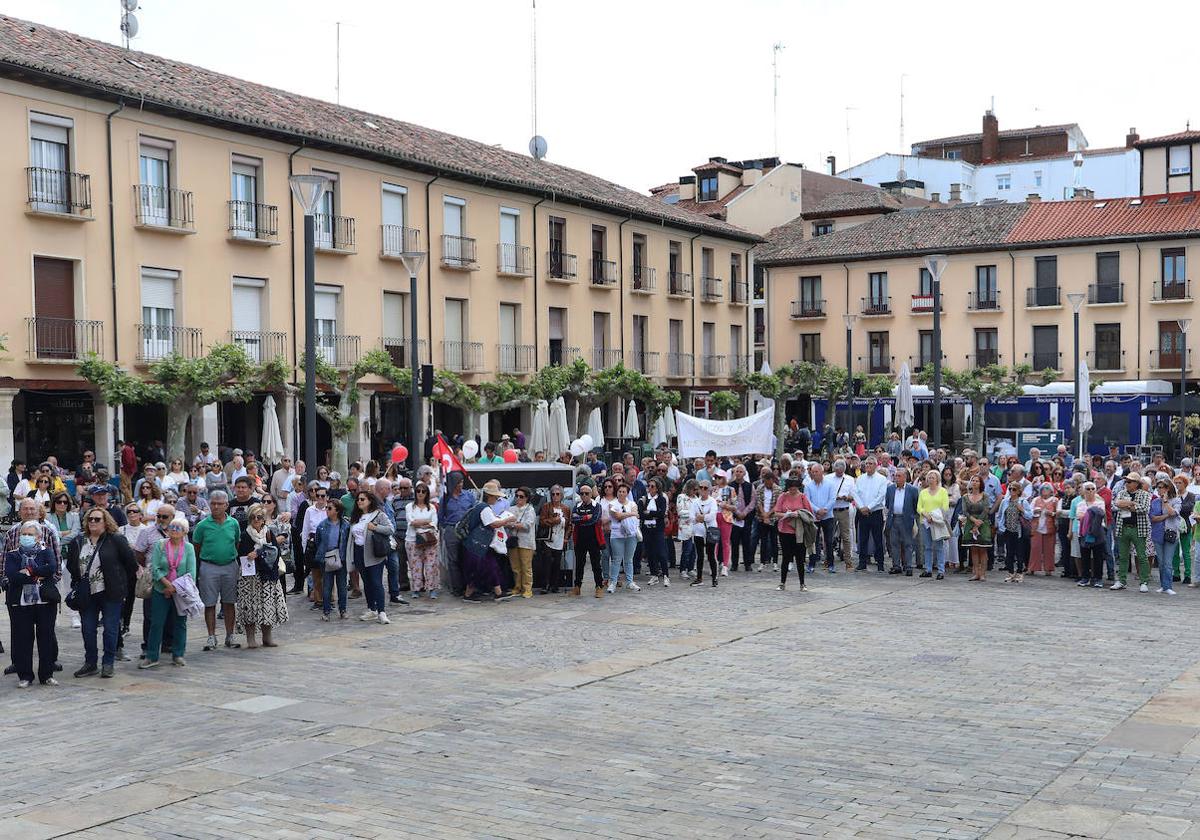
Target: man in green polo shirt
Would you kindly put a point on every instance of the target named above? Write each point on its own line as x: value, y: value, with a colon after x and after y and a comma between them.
x: 216, y: 538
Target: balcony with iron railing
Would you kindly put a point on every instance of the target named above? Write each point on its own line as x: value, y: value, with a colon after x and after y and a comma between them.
x: 919, y: 363
x: 163, y: 209
x: 819, y: 361
x: 876, y: 363
x: 739, y: 363
x: 923, y: 305
x: 603, y: 357
x: 333, y: 234
x: 562, y: 267
x: 400, y: 351
x: 644, y: 362
x: 514, y: 358
x: 680, y: 365
x: 458, y: 253
x: 712, y: 366
x: 645, y: 280
x: 1107, y: 360
x: 1040, y: 296
x: 1045, y: 360
x: 397, y: 240
x: 156, y: 342
x: 59, y: 193
x: 679, y: 284
x: 260, y: 345
x: 710, y: 289
x: 62, y: 339
x: 875, y: 307
x: 989, y: 301
x: 558, y: 354
x: 984, y: 358
x: 462, y: 356
x: 1099, y: 294
x: 739, y: 292
x: 604, y: 273
x: 807, y: 308
x: 1179, y: 291
x: 514, y: 260
x: 1168, y: 360
x: 253, y: 224
x: 341, y: 351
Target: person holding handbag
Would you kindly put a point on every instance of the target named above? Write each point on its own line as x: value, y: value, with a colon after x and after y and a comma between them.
x: 169, y: 559
x: 705, y: 532
x: 622, y: 539
x: 1165, y: 524
x: 421, y: 543
x: 933, y: 508
x: 722, y: 494
x: 652, y: 517
x: 32, y: 600
x: 260, y: 600
x: 786, y: 515
x: 331, y: 540
x: 553, y: 519
x: 522, y: 533
x: 102, y: 570
x: 369, y: 532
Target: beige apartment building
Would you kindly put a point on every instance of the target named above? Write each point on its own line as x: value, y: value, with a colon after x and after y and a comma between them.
x: 149, y: 212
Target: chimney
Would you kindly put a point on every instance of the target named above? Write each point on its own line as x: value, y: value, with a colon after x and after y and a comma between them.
x: 751, y: 176
x: 717, y: 159
x: 991, y: 137
x: 832, y: 161
x: 955, y: 193
x: 1033, y: 198
x: 1131, y: 137
x: 1084, y: 194
x: 687, y: 187
x: 936, y: 198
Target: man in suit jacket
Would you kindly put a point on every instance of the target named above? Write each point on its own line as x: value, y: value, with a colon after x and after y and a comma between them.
x: 900, y: 507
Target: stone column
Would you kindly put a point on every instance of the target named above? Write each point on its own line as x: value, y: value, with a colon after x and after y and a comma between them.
x: 106, y: 418
x: 205, y: 429
x: 8, y: 443
x: 359, y: 448
x: 287, y: 424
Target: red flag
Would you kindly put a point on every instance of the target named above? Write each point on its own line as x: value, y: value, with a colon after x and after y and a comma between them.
x: 445, y: 456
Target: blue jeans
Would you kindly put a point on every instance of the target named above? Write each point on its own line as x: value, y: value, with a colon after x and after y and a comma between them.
x: 373, y: 588
x: 687, y: 555
x: 394, y: 561
x: 110, y: 613
x: 1163, y: 551
x: 338, y: 577
x: 621, y: 557
x: 931, y: 547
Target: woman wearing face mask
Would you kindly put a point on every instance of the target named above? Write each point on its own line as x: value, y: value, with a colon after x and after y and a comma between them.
x: 169, y: 559
x: 30, y: 570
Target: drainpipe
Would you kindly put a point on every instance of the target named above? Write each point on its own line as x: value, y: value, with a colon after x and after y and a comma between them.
x: 428, y: 276
x: 295, y: 335
x: 112, y: 232
x: 621, y: 281
x: 536, y: 311
x: 1012, y: 285
x: 1138, y: 346
x: 695, y: 283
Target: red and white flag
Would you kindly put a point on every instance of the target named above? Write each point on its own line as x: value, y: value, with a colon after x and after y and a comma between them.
x: 445, y: 456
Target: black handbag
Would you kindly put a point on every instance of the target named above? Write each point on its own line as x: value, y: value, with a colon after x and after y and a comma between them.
x: 48, y: 590
x: 381, y: 544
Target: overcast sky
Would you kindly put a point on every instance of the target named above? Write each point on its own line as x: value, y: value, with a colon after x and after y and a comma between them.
x: 639, y: 91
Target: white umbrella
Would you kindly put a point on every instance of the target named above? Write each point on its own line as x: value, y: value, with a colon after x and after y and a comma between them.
x: 904, y: 398
x: 631, y: 430
x: 1083, y: 411
x: 658, y: 432
x: 539, y: 433
x: 270, y: 451
x: 669, y: 415
x: 560, y: 436
x: 595, y: 427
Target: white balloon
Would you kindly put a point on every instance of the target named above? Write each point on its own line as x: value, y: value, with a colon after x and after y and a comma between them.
x: 588, y: 443
x: 470, y: 449
x: 577, y: 448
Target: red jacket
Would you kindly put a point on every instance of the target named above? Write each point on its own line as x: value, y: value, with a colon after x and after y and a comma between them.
x: 128, y: 460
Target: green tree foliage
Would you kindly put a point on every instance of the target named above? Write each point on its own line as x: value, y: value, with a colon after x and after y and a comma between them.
x: 989, y: 382
x: 225, y: 374
x: 725, y: 403
x: 784, y: 383
x: 874, y: 387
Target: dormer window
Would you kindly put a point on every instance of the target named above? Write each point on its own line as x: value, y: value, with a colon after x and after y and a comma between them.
x: 708, y: 187
x: 1179, y: 160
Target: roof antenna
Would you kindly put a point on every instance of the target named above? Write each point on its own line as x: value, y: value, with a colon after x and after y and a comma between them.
x: 537, y: 143
x: 129, y: 23
x: 337, y: 81
x: 849, y: 159
x: 775, y: 50
x: 902, y: 176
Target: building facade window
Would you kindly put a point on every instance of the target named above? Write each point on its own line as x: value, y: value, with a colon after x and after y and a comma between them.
x: 1174, y: 273
x: 159, y: 290
x: 1045, y: 347
x: 1003, y: 183
x: 708, y: 187
x: 822, y: 228
x: 247, y: 316
x: 1108, y: 347
x: 987, y: 347
x: 810, y: 348
x: 985, y: 287
x: 879, y: 352
x: 50, y: 159
x: 877, y: 290
x: 156, y: 160
x: 924, y: 348
x: 1170, y: 344
x: 1179, y: 160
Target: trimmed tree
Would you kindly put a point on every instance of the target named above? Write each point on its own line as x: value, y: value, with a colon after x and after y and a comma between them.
x: 785, y: 383
x: 875, y: 387
x: 225, y: 374
x: 725, y: 403
x: 593, y: 388
x: 978, y: 385
x: 344, y: 383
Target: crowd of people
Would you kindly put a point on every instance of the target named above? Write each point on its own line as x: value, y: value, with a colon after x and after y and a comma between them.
x: 221, y: 538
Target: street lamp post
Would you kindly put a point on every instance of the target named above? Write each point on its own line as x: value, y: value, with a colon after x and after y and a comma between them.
x: 936, y: 264
x: 1184, y: 323
x: 1076, y: 299
x: 413, y: 258
x: 308, y: 190
x: 849, y: 318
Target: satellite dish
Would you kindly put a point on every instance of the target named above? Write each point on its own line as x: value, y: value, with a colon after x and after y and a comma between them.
x: 537, y: 146
x: 129, y: 26
x: 129, y: 5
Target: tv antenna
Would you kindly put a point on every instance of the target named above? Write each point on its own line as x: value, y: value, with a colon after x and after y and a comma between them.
x: 776, y: 48
x: 537, y: 143
x: 129, y: 22
x: 337, y: 51
x: 849, y: 159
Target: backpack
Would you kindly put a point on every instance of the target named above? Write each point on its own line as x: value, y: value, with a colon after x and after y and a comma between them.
x: 469, y: 522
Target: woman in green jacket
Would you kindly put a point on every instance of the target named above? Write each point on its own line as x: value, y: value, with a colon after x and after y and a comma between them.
x: 171, y: 558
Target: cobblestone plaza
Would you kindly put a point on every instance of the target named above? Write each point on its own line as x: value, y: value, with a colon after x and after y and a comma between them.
x: 871, y: 706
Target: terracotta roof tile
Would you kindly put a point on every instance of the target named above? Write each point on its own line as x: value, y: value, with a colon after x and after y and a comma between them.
x: 709, y: 166
x: 1114, y: 218
x: 160, y: 84
x: 861, y: 202
x: 1168, y: 139
x: 1035, y: 131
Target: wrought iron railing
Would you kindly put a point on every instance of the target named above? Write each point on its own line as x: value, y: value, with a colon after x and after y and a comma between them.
x: 249, y: 220
x: 163, y: 207
x: 63, y: 339
x: 58, y: 191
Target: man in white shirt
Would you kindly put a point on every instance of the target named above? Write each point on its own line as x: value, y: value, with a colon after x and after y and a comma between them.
x: 1035, y: 455
x: 870, y: 493
x: 843, y: 484
x: 281, y: 482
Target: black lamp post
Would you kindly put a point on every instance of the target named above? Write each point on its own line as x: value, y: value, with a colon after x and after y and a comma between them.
x: 308, y: 190
x: 413, y: 258
x: 849, y: 318
x: 1076, y: 299
x: 1184, y: 323
x: 936, y: 264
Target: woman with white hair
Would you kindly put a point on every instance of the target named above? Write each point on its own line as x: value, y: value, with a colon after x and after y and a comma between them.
x: 170, y: 559
x: 32, y: 598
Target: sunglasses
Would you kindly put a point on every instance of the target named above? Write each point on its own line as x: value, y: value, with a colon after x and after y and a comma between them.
x: 60, y: 501
x: 164, y: 516
x: 95, y: 519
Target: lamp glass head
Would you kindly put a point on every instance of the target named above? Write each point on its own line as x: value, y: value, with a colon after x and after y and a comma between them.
x: 936, y: 263
x: 308, y: 190
x: 1076, y: 299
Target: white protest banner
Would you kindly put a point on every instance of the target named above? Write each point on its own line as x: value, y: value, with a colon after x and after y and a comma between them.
x: 744, y: 436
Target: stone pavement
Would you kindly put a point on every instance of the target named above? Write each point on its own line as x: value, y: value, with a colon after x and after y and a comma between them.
x: 871, y: 706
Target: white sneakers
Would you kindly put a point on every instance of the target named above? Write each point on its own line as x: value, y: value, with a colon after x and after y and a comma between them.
x: 1117, y: 586
x: 724, y: 571
x: 1143, y: 588
x: 653, y: 579
x: 666, y: 580
x: 612, y: 587
x: 369, y: 616
x: 1162, y: 591
x: 383, y: 619
x: 633, y: 587
x: 75, y: 622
